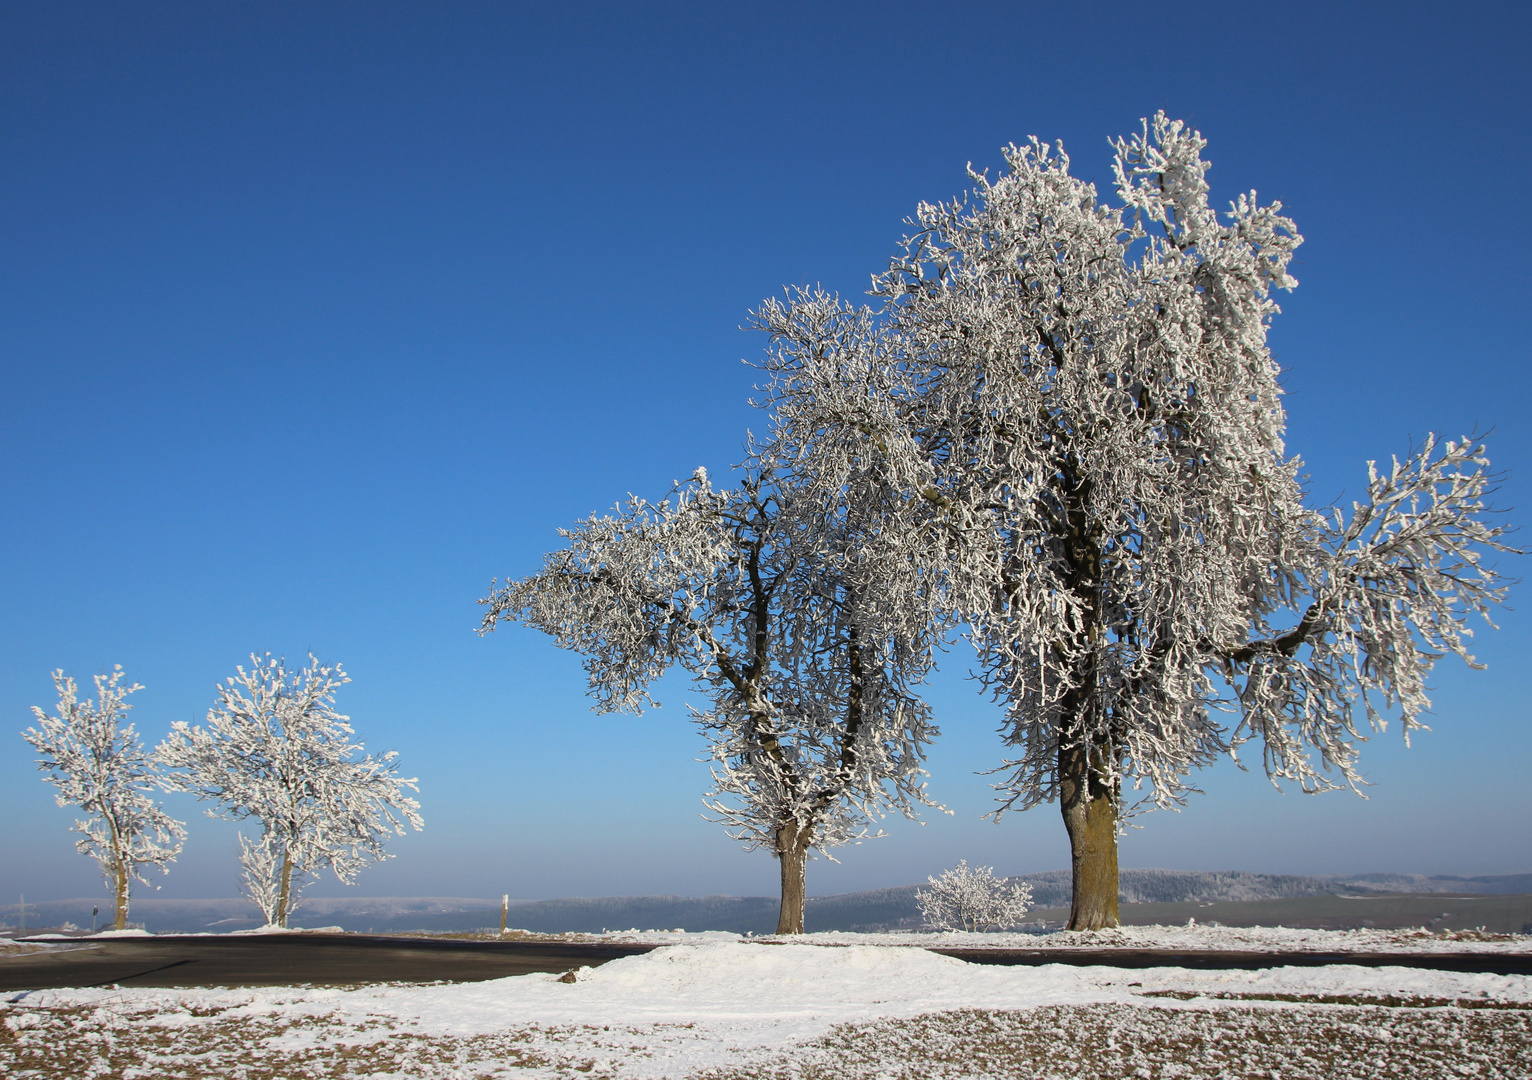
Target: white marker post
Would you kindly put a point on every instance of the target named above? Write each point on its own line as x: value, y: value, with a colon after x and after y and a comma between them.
x: 505, y: 906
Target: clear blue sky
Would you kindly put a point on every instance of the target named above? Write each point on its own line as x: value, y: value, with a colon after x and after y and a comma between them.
x: 315, y: 318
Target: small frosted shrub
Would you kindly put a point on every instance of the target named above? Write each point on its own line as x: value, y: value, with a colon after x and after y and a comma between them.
x: 973, y: 899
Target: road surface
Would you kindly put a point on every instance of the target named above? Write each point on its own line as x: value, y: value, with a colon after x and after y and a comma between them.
x: 340, y: 959
x: 288, y: 959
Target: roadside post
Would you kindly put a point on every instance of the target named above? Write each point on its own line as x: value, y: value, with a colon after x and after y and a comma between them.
x: 505, y: 905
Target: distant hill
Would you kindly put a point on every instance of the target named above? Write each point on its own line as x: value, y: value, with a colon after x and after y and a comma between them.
x: 162, y: 916
x: 1494, y: 912
x: 1441, y: 883
x: 876, y: 909
x: 1051, y: 889
x: 896, y: 908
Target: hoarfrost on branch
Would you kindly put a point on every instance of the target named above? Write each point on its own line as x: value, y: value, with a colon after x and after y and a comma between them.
x: 276, y: 752
x: 96, y: 762
x: 807, y: 633
x: 972, y: 899
x: 1079, y: 406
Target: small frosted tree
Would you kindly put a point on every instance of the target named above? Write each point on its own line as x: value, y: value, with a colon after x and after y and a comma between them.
x: 784, y: 607
x: 98, y: 765
x: 972, y: 899
x: 276, y: 752
x: 1079, y: 402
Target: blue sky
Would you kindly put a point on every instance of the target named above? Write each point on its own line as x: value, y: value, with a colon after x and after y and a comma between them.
x: 315, y: 318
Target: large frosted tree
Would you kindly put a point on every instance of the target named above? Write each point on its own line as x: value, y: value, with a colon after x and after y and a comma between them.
x: 95, y: 760
x: 1079, y: 403
x: 276, y: 752
x: 800, y: 626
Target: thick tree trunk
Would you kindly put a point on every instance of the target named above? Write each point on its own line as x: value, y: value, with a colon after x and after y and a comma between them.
x: 287, y: 884
x: 1088, y: 791
x: 1089, y: 803
x: 121, y: 922
x: 792, y: 854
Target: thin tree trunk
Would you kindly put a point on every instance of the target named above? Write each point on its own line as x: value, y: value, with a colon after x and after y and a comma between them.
x: 287, y: 884
x: 792, y: 854
x: 120, y: 869
x: 1089, y: 804
x: 121, y: 922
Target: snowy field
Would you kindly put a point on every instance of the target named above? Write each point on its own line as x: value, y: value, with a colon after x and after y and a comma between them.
x: 1191, y: 936
x: 715, y: 1007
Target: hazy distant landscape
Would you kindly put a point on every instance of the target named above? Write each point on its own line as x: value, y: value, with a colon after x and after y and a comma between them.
x: 1501, y: 903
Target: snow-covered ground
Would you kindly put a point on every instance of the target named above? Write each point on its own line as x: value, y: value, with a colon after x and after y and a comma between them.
x: 1190, y: 936
x: 715, y: 1006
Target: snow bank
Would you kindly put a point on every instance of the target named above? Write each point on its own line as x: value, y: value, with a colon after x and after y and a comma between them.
x: 1191, y: 936
x: 34, y: 944
x: 719, y: 1003
x: 120, y: 933
x: 790, y: 989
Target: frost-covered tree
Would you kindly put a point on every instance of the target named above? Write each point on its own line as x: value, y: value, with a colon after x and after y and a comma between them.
x: 786, y: 610
x: 97, y: 764
x: 1079, y: 403
x: 276, y: 752
x: 972, y: 899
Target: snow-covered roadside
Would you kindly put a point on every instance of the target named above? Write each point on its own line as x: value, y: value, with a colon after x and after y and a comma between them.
x: 1212, y: 938
x: 1191, y: 936
x: 118, y: 934
x: 789, y: 990
x: 714, y: 1004
x: 253, y: 931
x: 14, y: 947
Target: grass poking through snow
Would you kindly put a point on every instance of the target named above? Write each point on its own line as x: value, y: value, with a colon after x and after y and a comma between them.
x: 1115, y: 1042
x: 1294, y: 1039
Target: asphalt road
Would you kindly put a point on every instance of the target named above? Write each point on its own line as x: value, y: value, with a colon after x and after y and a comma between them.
x: 1209, y: 960
x: 330, y: 959
x: 288, y: 959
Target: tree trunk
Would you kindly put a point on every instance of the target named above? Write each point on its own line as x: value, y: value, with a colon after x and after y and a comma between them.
x: 121, y: 922
x: 1088, y: 790
x: 1089, y: 803
x: 792, y: 854
x: 287, y: 884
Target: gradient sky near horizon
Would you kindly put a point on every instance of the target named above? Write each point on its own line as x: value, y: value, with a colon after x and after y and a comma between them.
x: 314, y: 318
